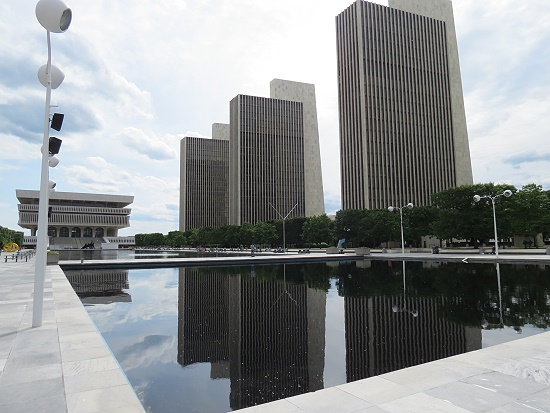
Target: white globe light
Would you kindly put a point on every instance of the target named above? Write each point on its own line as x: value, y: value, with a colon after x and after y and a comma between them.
x: 54, y: 15
x: 410, y: 205
x: 53, y: 161
x: 507, y: 193
x: 391, y: 209
x: 57, y: 76
x: 477, y: 198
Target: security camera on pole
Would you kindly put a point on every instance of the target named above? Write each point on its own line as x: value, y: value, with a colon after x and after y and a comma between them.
x: 55, y: 16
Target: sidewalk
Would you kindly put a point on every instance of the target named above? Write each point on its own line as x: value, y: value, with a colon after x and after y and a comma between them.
x: 62, y: 366
x: 65, y: 365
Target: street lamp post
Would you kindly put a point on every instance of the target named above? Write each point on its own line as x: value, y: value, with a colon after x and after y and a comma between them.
x: 477, y: 198
x: 391, y: 209
x: 55, y: 16
x: 283, y: 218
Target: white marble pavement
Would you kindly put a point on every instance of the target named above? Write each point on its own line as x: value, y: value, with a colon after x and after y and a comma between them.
x: 62, y: 366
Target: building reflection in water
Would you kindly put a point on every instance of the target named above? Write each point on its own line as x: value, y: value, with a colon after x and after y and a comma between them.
x: 267, y: 337
x: 276, y: 331
x: 100, y: 286
x: 391, y: 332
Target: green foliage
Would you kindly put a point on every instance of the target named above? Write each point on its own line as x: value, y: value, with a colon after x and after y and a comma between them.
x: 151, y: 240
x: 368, y: 228
x: 317, y: 230
x: 176, y: 239
x: 531, y: 211
x: 9, y: 235
x: 453, y: 214
x: 460, y: 217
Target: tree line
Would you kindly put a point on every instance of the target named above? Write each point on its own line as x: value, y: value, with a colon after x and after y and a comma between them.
x: 9, y: 235
x: 453, y: 215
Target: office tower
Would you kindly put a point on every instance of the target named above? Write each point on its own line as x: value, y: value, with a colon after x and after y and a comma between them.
x: 403, y: 130
x: 204, y: 180
x: 305, y: 93
x: 274, y: 155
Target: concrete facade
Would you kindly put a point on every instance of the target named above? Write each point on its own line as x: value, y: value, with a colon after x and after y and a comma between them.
x: 403, y: 132
x: 443, y: 10
x: 266, y: 159
x: 204, y: 180
x: 275, y: 160
x: 76, y: 217
x: 305, y: 93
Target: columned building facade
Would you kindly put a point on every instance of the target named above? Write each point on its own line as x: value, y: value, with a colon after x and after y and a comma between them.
x: 76, y: 216
x: 403, y: 133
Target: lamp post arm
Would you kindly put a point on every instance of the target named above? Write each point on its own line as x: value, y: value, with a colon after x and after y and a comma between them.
x: 289, y: 212
x: 42, y: 235
x: 275, y: 209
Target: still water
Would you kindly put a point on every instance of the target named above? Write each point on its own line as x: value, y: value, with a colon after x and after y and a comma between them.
x: 224, y: 338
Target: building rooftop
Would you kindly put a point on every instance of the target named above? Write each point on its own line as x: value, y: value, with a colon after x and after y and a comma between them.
x: 26, y: 196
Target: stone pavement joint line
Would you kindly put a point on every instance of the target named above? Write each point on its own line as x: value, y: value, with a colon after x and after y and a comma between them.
x: 66, y: 366
x: 62, y: 366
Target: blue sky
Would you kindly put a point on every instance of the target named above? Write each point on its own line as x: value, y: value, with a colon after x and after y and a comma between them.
x: 140, y: 75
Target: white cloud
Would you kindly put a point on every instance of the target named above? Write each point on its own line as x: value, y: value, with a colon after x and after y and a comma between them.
x: 151, y: 146
x: 141, y: 75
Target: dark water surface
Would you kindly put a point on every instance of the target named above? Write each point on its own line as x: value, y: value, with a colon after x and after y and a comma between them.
x: 224, y: 338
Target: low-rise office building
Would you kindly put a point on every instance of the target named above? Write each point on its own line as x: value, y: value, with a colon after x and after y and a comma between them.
x: 75, y: 219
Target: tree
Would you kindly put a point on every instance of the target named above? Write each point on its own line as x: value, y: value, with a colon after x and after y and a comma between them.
x: 531, y: 211
x: 318, y: 230
x: 9, y: 235
x: 230, y: 235
x: 420, y: 220
x: 381, y: 225
x: 155, y: 239
x: 176, y: 239
x: 264, y: 233
x: 460, y: 217
x: 348, y: 225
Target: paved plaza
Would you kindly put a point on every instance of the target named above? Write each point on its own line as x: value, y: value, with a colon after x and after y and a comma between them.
x: 66, y: 366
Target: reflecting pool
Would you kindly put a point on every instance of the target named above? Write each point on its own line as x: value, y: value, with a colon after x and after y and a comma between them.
x: 216, y: 339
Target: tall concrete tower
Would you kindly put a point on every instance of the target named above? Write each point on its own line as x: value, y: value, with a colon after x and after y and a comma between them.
x: 403, y: 130
x: 274, y: 155
x: 204, y: 180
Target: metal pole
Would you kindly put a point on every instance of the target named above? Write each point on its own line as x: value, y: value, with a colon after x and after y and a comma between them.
x: 284, y: 237
x: 402, y: 236
x: 283, y: 218
x: 42, y: 233
x: 495, y: 224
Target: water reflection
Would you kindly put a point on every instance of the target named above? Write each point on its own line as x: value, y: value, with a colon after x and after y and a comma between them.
x: 391, y: 332
x: 267, y: 337
x: 100, y: 286
x: 262, y: 333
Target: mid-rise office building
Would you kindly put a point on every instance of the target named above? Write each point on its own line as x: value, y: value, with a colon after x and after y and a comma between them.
x: 204, y: 180
x: 275, y: 162
x: 403, y: 133
x: 74, y: 218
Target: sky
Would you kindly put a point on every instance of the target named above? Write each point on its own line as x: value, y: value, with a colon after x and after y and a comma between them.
x: 141, y: 74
